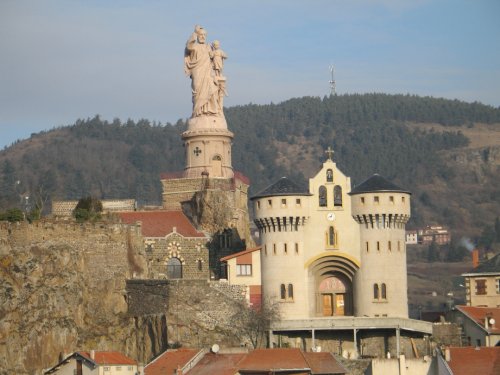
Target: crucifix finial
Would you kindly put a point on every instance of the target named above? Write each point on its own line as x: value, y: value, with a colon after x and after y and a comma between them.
x: 329, y: 152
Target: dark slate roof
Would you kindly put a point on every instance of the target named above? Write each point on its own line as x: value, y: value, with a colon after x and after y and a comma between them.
x: 377, y: 183
x: 490, y: 266
x: 283, y: 186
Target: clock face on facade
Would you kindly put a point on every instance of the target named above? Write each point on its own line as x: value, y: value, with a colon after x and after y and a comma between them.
x: 330, y: 216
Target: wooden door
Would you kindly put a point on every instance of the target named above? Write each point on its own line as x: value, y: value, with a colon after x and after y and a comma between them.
x: 327, y: 304
x: 339, y: 304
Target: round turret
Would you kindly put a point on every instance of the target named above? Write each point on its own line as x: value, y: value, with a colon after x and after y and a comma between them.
x: 381, y: 209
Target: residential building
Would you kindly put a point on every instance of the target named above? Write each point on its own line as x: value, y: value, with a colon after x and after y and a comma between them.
x: 95, y: 363
x: 433, y: 233
x: 243, y: 268
x: 482, y: 284
x: 469, y: 360
x: 480, y: 325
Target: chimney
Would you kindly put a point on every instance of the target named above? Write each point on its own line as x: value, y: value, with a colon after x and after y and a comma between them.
x: 92, y: 355
x: 179, y: 370
x: 475, y: 258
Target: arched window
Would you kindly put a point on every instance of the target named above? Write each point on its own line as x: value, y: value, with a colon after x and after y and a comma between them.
x: 322, y: 196
x: 290, y: 291
x: 282, y: 291
x: 174, y: 268
x: 217, y: 157
x: 376, y: 294
x: 329, y: 175
x: 337, y: 196
x: 331, y: 236
x: 384, y: 291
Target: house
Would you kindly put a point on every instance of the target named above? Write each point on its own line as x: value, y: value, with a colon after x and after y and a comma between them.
x: 483, y: 284
x: 243, y: 268
x: 433, y: 233
x: 172, y: 360
x: 174, y: 248
x: 95, y: 363
x: 469, y: 360
x: 411, y: 237
x: 481, y: 325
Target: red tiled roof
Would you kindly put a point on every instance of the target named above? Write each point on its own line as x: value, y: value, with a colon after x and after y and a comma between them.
x: 478, y: 314
x: 167, y: 362
x: 161, y: 223
x: 109, y: 358
x: 323, y: 363
x: 247, y: 251
x: 220, y: 364
x: 240, y: 176
x: 273, y: 359
x: 469, y: 360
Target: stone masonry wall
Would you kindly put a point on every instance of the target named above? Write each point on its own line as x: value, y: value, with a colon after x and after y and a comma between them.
x: 62, y: 288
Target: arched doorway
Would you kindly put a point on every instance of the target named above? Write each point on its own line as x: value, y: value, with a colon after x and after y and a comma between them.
x: 217, y: 166
x: 336, y: 295
x: 174, y: 268
x: 333, y: 289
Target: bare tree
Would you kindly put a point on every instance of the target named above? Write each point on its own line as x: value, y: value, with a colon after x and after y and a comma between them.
x: 251, y: 324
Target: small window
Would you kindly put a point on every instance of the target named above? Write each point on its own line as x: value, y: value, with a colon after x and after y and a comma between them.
x: 296, y: 248
x: 265, y: 249
x: 270, y: 202
x: 297, y: 202
x: 384, y: 291
x: 290, y: 291
x: 283, y: 202
x: 258, y: 204
x: 331, y: 236
x: 329, y: 175
x: 389, y: 245
x: 378, y: 246
x: 337, y: 196
x: 283, y: 291
x: 285, y: 249
x: 367, y: 246
x: 107, y: 368
x: 274, y: 249
x: 200, y: 265
x: 323, y: 202
x: 403, y: 199
x: 244, y: 270
x: 391, y: 199
x: 375, y: 199
x: 376, y: 294
x: 118, y: 368
x: 362, y: 200
x: 480, y: 287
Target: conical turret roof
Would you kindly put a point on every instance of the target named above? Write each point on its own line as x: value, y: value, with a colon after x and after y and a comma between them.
x: 377, y: 183
x: 284, y: 186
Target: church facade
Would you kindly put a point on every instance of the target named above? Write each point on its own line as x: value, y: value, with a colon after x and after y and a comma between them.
x: 329, y: 251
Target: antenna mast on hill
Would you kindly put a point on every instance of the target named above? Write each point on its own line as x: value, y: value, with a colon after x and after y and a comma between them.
x: 332, y: 81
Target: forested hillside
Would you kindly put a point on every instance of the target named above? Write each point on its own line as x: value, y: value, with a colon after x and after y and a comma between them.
x: 421, y: 144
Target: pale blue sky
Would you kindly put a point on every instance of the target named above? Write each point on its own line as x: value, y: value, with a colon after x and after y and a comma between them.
x: 64, y: 60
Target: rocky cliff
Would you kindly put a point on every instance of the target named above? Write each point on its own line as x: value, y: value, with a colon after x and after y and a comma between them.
x: 63, y: 289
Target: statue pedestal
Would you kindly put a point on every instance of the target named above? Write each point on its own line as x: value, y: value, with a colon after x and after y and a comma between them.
x: 206, y: 122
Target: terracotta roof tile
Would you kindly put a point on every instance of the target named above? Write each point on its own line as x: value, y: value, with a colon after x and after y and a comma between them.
x: 247, y: 251
x: 161, y: 223
x: 478, y: 314
x: 469, y: 360
x: 220, y: 364
x: 167, y: 362
x: 273, y: 359
x: 109, y: 358
x: 323, y: 363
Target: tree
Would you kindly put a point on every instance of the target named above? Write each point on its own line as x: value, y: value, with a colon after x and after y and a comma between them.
x: 12, y: 215
x: 252, y: 324
x: 88, y: 208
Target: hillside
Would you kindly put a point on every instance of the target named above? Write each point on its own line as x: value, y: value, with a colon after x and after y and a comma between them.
x: 446, y: 152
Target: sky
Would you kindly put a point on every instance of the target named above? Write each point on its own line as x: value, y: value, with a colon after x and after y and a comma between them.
x: 63, y: 60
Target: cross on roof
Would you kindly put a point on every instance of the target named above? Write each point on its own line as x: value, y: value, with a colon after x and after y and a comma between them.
x: 329, y: 152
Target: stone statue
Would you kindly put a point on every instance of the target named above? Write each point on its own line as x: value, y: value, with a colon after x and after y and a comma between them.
x: 218, y: 57
x: 198, y: 64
